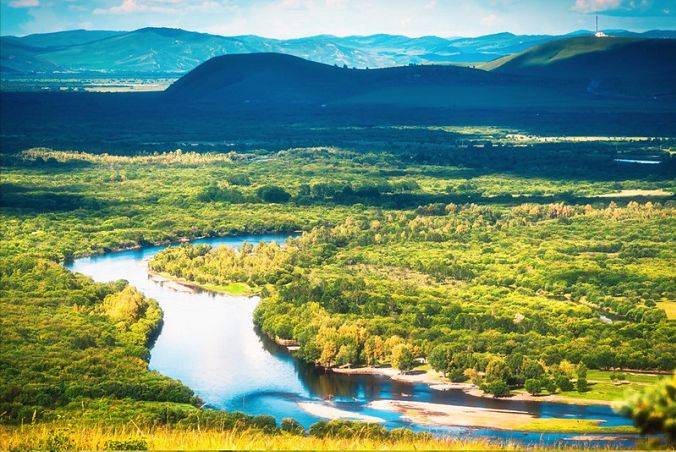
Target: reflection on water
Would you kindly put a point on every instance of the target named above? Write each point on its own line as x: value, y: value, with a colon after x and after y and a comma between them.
x: 209, y: 342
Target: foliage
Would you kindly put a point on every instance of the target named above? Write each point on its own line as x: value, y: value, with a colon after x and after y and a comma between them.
x: 377, y: 283
x: 401, y: 253
x: 654, y: 409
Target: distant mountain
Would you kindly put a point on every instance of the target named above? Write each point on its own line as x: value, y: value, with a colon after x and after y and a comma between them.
x: 67, y: 38
x: 610, y: 64
x: 165, y: 51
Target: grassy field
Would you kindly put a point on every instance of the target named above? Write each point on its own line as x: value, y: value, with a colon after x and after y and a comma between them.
x: 669, y: 307
x: 602, y: 387
x: 55, y: 437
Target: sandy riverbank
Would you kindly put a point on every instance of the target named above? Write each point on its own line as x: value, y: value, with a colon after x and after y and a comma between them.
x: 426, y: 413
x: 438, y: 414
x: 172, y: 284
x: 327, y: 411
x: 439, y: 383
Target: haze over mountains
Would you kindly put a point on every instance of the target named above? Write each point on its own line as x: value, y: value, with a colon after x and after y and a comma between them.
x: 165, y: 51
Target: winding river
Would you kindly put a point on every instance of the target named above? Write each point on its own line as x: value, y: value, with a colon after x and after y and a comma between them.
x: 209, y: 342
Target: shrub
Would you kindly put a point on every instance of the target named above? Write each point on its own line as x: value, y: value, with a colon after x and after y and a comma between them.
x: 272, y: 193
x: 291, y: 425
x: 533, y: 386
x: 564, y: 383
x: 126, y: 444
x: 58, y: 441
x: 496, y: 387
x: 265, y: 423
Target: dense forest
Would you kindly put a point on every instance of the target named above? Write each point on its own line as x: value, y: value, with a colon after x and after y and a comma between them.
x: 417, y: 253
x: 505, y: 292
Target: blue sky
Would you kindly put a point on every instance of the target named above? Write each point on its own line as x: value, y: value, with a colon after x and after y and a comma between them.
x: 295, y: 18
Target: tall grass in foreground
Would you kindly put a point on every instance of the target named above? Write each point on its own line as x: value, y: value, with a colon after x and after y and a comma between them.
x: 49, y: 437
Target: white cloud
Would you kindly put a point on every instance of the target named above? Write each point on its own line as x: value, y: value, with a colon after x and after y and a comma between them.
x: 24, y: 3
x: 489, y: 20
x: 163, y: 6
x: 593, y: 6
x: 431, y: 4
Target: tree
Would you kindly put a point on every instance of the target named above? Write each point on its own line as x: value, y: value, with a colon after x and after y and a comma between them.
x: 272, y: 193
x: 654, y: 409
x: 473, y: 376
x: 440, y: 356
x: 497, y: 369
x: 498, y: 388
x: 533, y: 386
x: 328, y: 356
x: 402, y: 357
x: 292, y: 426
x: 563, y: 382
x: 582, y: 384
x: 373, y: 350
x: 532, y: 369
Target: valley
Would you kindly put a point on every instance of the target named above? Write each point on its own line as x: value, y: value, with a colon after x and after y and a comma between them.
x: 349, y: 241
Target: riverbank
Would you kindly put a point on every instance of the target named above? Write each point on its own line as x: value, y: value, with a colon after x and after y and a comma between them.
x: 182, y: 285
x: 438, y: 414
x: 435, y: 381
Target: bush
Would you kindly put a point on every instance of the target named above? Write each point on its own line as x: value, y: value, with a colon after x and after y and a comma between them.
x: 533, y: 386
x: 126, y: 444
x: 238, y: 179
x: 564, y: 383
x: 291, y: 425
x: 496, y: 387
x: 264, y: 422
x: 58, y: 441
x: 272, y: 193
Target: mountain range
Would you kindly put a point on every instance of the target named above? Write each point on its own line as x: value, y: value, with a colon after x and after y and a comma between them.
x: 166, y: 51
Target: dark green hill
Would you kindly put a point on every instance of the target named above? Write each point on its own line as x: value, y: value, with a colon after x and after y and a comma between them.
x: 275, y: 77
x: 609, y: 64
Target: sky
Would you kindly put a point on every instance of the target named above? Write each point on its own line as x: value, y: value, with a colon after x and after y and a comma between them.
x: 297, y: 18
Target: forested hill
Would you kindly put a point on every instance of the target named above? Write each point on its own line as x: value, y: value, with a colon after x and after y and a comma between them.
x: 274, y: 77
x: 590, y: 67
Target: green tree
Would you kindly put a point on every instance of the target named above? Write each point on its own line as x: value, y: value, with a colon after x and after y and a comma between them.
x: 498, y: 388
x: 497, y: 369
x: 581, y: 383
x: 654, y: 409
x: 533, y: 386
x: 402, y: 357
x: 273, y: 194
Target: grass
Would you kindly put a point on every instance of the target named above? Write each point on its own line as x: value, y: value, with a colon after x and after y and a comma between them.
x: 601, y: 387
x: 57, y: 437
x: 572, y: 426
x: 669, y: 307
x: 233, y: 288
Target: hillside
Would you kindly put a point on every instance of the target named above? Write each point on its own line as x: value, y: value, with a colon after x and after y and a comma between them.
x: 611, y: 64
x: 176, y: 51
x: 275, y: 77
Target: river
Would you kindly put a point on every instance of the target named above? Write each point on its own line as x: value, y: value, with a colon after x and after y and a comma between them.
x: 209, y: 342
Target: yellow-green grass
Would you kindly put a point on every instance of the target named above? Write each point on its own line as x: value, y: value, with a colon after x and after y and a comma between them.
x: 601, y: 387
x: 572, y: 426
x: 669, y: 307
x: 58, y: 437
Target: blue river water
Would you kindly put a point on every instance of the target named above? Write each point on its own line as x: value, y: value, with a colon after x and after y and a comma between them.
x: 209, y: 342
